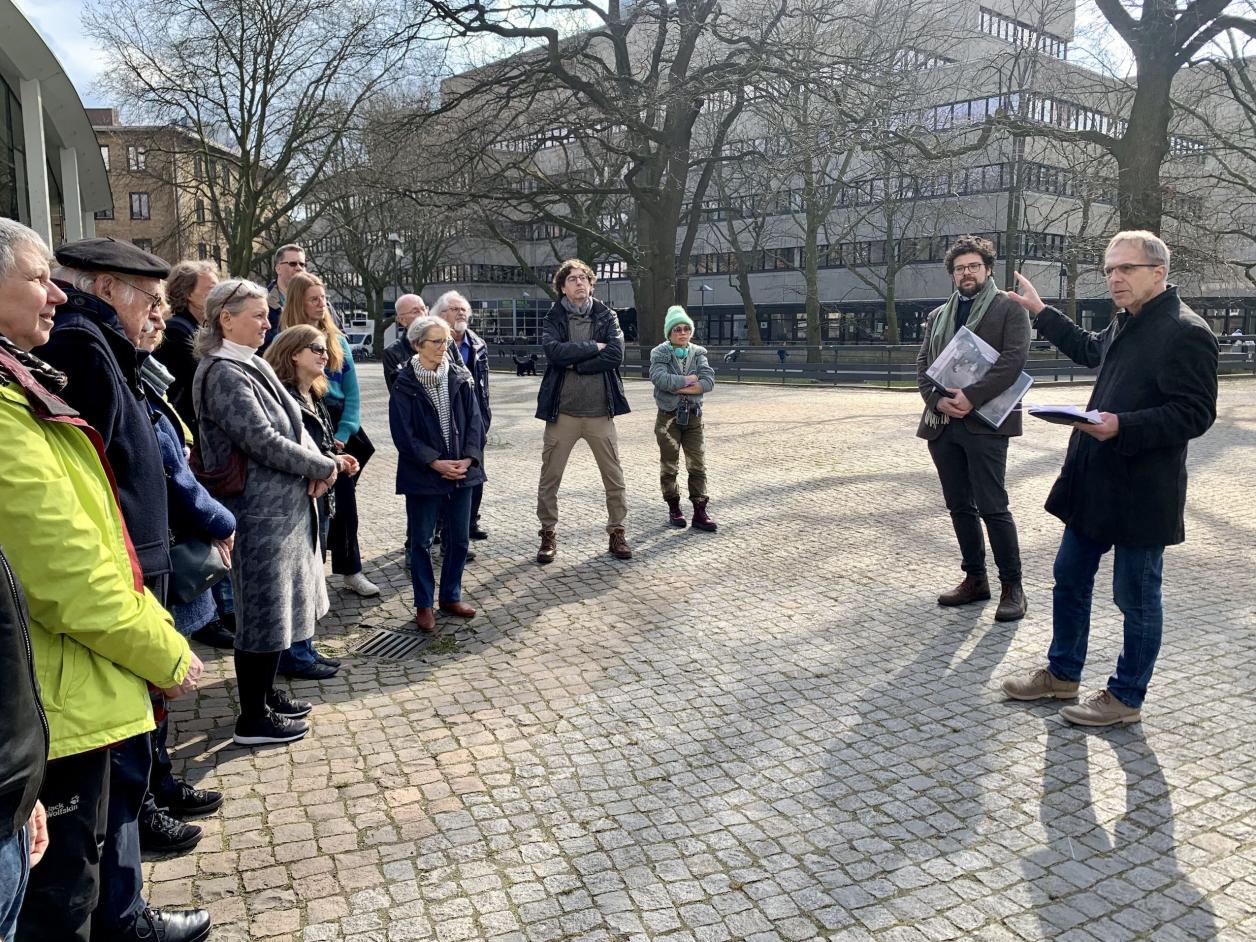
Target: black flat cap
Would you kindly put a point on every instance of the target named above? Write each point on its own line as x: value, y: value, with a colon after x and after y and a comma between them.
x: 112, y: 255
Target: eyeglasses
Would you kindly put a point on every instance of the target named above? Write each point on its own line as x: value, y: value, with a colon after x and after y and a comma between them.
x: 154, y: 300
x: 682, y: 329
x: 1126, y: 270
x: 318, y: 348
x: 293, y: 264
x: 973, y: 267
x: 434, y: 341
x: 577, y: 276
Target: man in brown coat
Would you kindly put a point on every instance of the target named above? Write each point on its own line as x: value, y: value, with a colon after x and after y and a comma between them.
x: 970, y: 455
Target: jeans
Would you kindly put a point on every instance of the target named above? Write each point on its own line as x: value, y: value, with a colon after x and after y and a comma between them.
x: 161, y: 778
x: 1136, y: 577
x: 298, y: 656
x: 421, y: 514
x: 121, y: 881
x: 972, y: 468
x: 342, y: 536
x: 14, y: 872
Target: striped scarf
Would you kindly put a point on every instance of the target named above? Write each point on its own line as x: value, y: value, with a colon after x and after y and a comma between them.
x: 436, y: 382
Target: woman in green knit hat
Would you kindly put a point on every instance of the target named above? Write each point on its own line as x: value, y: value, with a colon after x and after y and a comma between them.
x: 681, y: 374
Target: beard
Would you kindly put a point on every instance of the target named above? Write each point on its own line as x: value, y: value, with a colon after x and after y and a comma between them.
x: 460, y: 326
x: 970, y: 289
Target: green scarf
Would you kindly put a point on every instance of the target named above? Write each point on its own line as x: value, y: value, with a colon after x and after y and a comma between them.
x: 944, y: 323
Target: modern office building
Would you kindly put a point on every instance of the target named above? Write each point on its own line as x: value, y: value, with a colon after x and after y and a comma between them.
x: 52, y: 177
x: 1045, y: 204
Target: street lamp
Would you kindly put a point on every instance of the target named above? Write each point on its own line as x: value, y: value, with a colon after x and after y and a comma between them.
x: 702, y: 290
x: 395, y: 239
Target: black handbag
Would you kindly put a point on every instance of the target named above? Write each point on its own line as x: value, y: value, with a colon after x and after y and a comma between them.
x: 195, y: 566
x: 360, y: 447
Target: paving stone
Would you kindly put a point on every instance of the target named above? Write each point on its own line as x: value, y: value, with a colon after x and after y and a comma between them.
x: 768, y: 733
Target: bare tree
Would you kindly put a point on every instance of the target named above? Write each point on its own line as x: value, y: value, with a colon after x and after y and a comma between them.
x: 276, y: 83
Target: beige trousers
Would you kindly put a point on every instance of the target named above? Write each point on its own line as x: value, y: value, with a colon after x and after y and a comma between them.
x: 560, y: 438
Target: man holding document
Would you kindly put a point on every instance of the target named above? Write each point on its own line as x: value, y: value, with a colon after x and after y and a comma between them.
x: 968, y: 448
x: 1123, y: 484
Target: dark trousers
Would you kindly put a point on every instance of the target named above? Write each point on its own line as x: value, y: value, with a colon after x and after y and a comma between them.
x: 121, y: 882
x: 161, y: 779
x: 477, y: 497
x: 422, y: 514
x: 64, y: 888
x: 342, y: 535
x: 972, y: 469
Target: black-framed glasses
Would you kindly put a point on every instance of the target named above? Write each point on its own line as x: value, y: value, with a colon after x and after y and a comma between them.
x: 154, y: 300
x: 1127, y: 269
x: 973, y: 267
x: 318, y: 348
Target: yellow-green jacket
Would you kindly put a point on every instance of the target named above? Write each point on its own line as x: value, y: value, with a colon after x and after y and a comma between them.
x: 96, y: 637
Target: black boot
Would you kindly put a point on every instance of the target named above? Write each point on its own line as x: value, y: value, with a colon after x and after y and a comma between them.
x: 674, y: 515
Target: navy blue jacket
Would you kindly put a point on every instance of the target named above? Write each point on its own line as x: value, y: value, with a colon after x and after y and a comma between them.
x: 479, y: 370
x: 416, y: 433
x: 562, y: 353
x: 102, y: 364
x: 1158, y: 374
x: 193, y: 511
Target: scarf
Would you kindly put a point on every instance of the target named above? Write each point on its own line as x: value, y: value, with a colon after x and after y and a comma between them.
x: 944, y: 329
x: 156, y: 375
x: 583, y: 311
x: 436, y: 382
x: 51, y: 379
x: 944, y: 323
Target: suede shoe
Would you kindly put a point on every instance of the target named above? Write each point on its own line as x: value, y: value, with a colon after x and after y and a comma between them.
x: 188, y: 802
x: 1101, y: 709
x: 619, y: 547
x: 284, y: 705
x: 461, y: 609
x: 215, y: 635
x: 972, y: 589
x: 315, y: 671
x: 425, y: 619
x: 549, y: 547
x: 1039, y: 685
x: 168, y: 925
x: 1012, y: 603
x: 162, y: 834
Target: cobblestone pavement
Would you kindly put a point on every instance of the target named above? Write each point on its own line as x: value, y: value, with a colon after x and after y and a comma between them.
x: 769, y: 733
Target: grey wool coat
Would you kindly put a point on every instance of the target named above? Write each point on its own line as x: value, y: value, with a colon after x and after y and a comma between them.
x: 276, y: 568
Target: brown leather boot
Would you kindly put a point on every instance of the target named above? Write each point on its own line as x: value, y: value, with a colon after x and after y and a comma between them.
x: 701, y: 519
x: 619, y: 547
x: 425, y: 619
x: 1012, y: 603
x: 972, y: 589
x: 549, y: 547
x: 674, y: 516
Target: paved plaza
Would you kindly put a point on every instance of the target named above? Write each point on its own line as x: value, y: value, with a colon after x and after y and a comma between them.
x: 769, y: 733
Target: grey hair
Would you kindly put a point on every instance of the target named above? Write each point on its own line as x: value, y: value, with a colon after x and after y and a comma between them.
x: 422, y: 326
x: 1153, y: 247
x: 85, y: 281
x: 279, y: 253
x: 446, y: 299
x: 13, y: 234
x: 240, y: 291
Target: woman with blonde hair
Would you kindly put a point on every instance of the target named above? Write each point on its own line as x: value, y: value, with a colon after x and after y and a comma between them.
x: 306, y: 303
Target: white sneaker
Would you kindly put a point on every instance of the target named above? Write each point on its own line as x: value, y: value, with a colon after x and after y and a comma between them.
x: 361, y: 585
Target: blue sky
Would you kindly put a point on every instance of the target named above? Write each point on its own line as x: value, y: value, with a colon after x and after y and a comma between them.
x: 59, y: 22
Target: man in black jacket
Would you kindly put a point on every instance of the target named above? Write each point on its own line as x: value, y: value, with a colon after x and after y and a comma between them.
x: 24, y: 732
x: 398, y: 353
x: 111, y: 287
x: 1123, y: 484
x: 466, y: 348
x: 581, y: 393
x: 970, y: 455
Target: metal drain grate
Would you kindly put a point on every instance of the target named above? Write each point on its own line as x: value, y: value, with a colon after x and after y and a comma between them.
x: 392, y: 645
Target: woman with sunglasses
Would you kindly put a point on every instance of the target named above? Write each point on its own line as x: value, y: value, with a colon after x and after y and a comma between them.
x: 298, y: 356
x: 306, y: 303
x: 276, y: 572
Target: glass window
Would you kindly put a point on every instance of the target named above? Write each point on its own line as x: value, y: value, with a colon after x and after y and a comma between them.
x: 136, y: 157
x: 140, y: 208
x: 104, y: 155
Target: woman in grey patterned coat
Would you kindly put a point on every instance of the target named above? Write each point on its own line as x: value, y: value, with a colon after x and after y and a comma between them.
x: 277, y: 571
